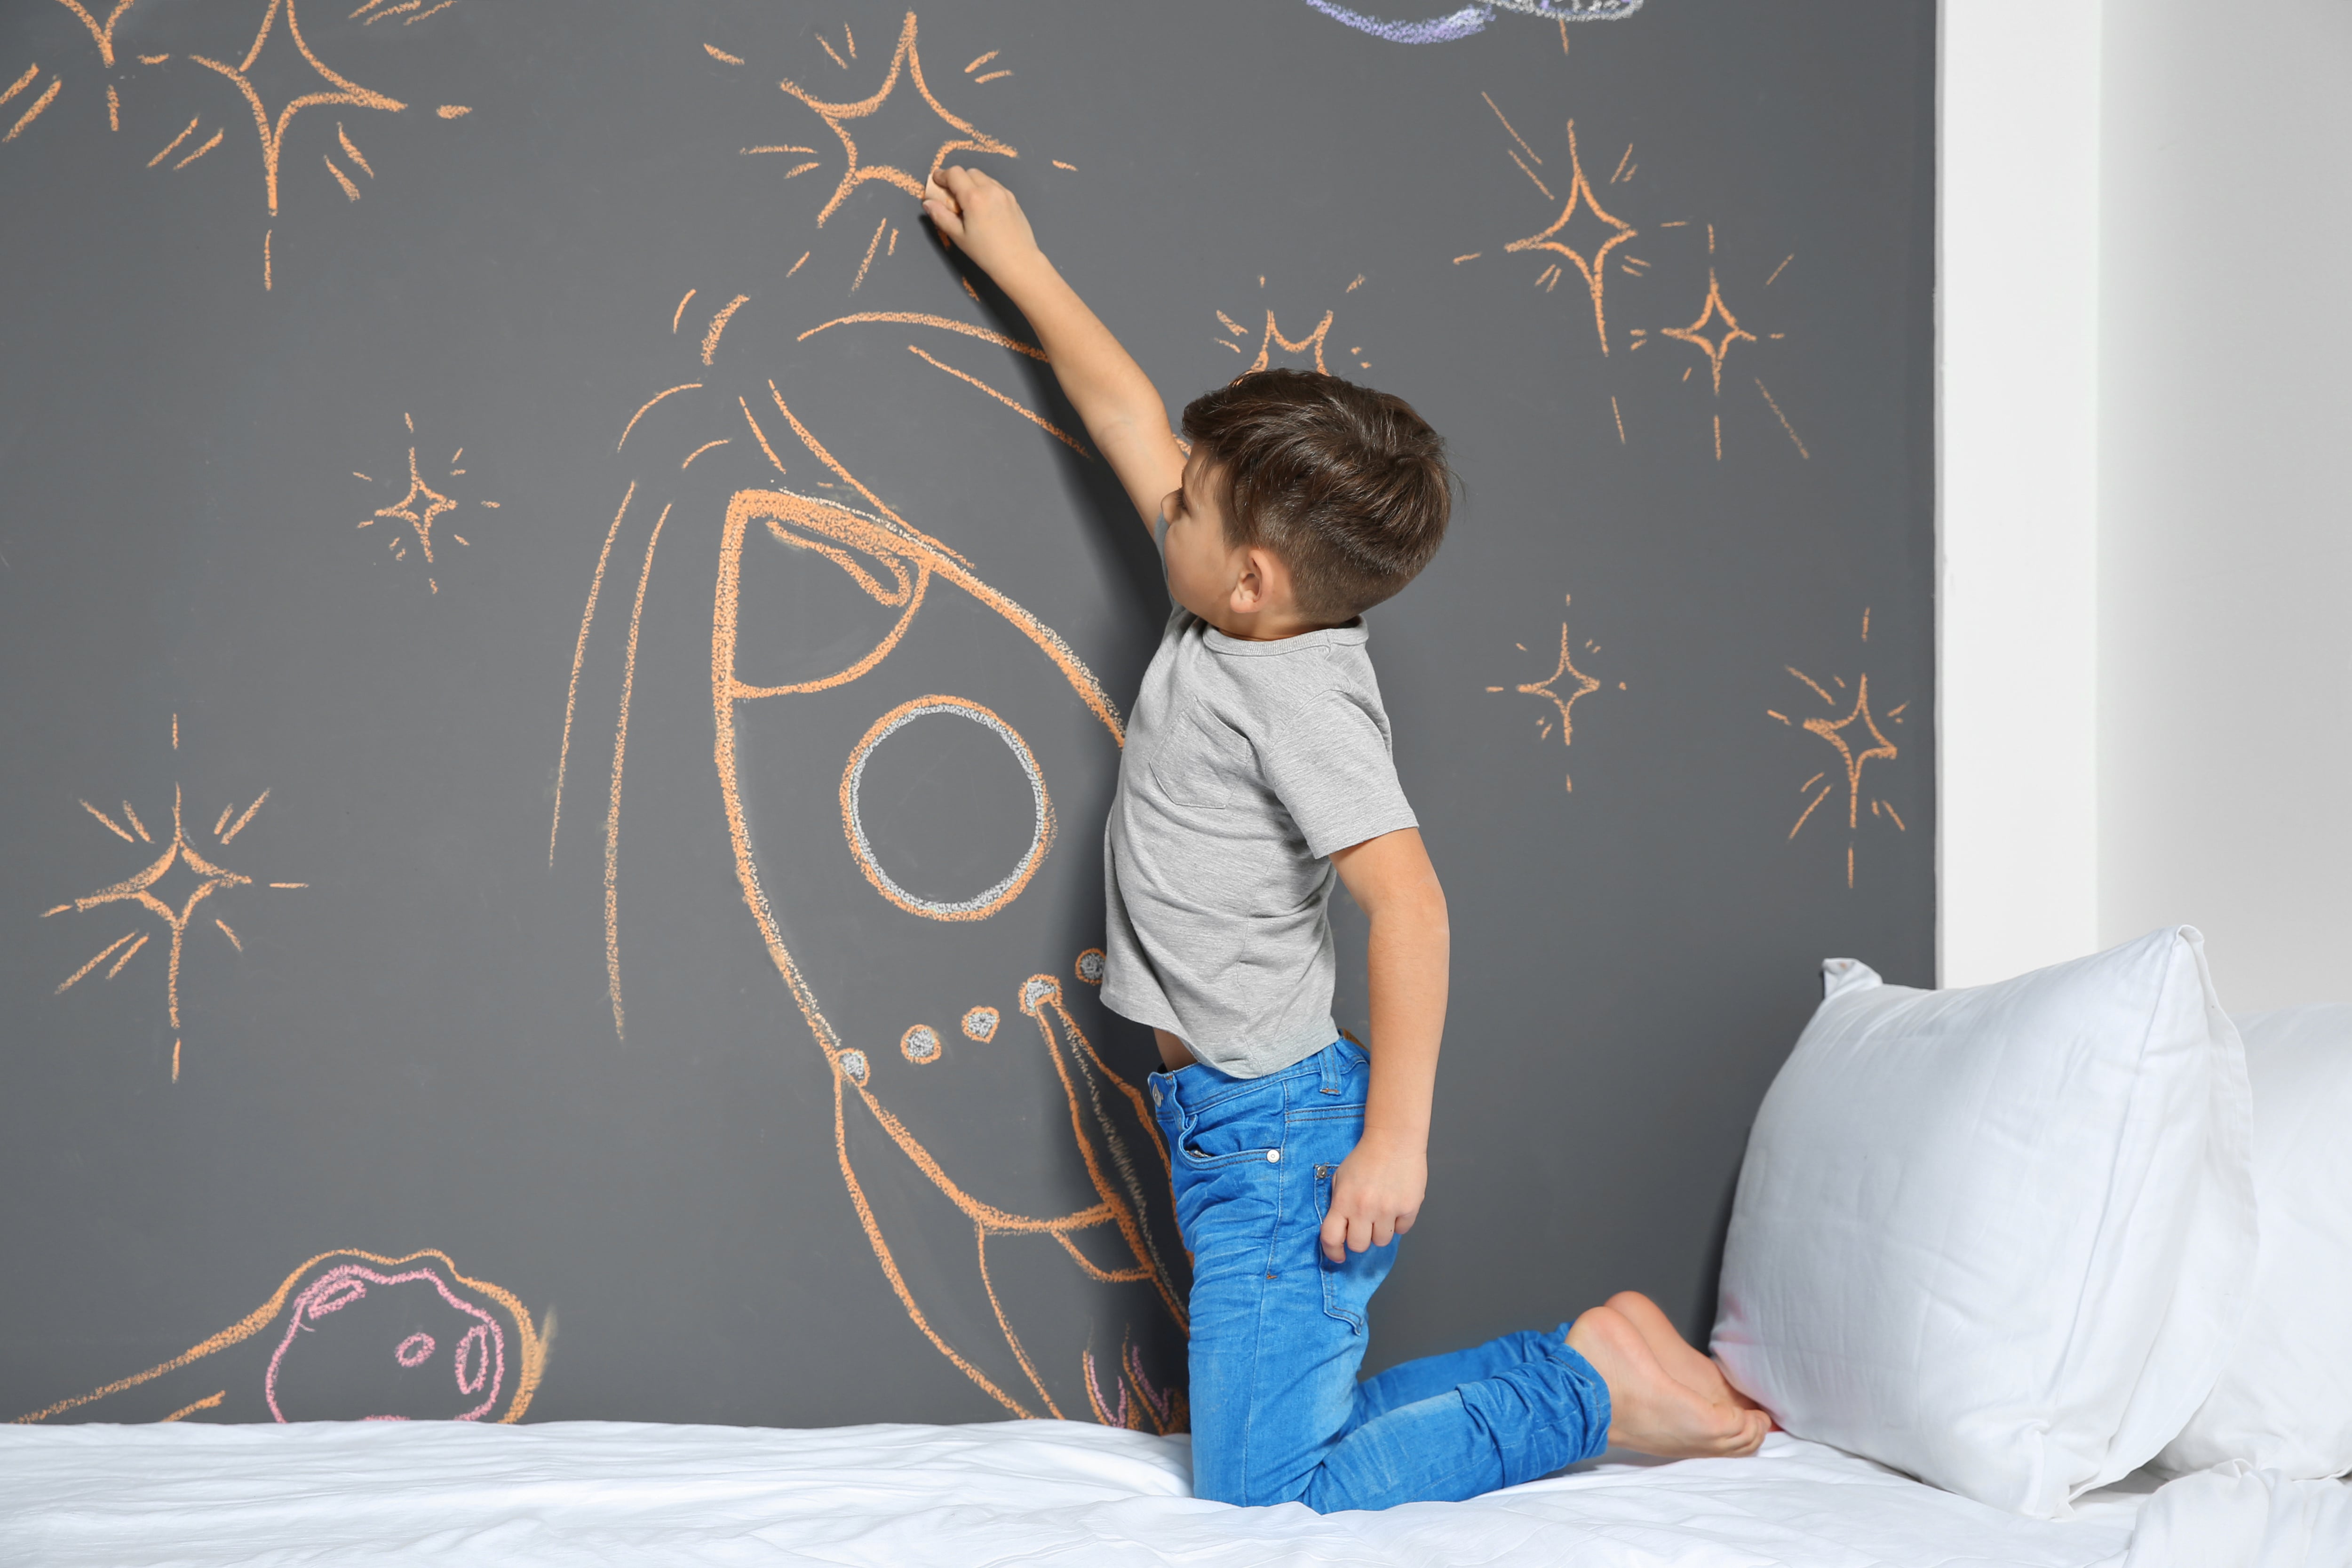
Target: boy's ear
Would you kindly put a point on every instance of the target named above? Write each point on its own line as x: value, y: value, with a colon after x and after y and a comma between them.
x: 1264, y: 582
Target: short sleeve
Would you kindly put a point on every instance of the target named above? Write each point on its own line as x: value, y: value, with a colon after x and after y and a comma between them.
x: 1329, y: 761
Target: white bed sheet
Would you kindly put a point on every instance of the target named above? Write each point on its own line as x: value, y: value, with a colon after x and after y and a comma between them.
x: 1023, y: 1492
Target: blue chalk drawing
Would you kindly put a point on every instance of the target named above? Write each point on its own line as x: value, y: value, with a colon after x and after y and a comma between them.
x: 1472, y: 19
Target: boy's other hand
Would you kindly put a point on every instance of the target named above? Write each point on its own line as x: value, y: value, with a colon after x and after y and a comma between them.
x: 1376, y: 1193
x: 973, y: 211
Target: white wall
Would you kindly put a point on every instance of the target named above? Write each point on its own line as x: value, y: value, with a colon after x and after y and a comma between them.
x: 2017, y: 606
x: 2225, y: 488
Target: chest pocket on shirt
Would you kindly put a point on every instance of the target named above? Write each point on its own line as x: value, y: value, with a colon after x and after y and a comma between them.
x: 1201, y: 762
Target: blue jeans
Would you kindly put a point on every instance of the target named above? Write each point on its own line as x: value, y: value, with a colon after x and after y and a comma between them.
x: 1278, y: 1332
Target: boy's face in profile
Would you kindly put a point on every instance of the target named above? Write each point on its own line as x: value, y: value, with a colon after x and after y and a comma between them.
x: 1239, y: 590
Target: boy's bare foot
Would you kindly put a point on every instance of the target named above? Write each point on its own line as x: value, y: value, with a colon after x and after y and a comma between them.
x: 1685, y: 1363
x: 1652, y: 1410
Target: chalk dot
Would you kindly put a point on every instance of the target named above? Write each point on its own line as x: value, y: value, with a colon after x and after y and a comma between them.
x: 920, y: 1044
x: 1038, y: 989
x: 1090, y: 966
x: 414, y: 1351
x: 980, y: 1023
x: 852, y: 1064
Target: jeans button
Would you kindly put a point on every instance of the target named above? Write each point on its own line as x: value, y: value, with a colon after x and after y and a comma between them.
x: 1274, y: 1156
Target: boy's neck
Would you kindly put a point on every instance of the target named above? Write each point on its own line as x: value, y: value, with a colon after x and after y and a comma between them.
x: 1269, y: 625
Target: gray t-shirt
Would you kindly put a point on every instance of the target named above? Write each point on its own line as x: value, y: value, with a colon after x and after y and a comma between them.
x: 1246, y: 764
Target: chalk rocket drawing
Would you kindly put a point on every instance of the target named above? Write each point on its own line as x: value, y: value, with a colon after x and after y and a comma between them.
x: 1460, y: 24
x: 347, y: 1336
x: 154, y: 888
x: 413, y: 516
x: 793, y: 749
x: 1854, y: 736
x: 1561, y: 690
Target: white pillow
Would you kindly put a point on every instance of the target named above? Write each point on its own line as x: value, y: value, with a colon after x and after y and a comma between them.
x: 2284, y: 1401
x: 1999, y: 1237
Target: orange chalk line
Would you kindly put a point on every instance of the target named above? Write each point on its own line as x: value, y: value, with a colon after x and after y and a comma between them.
x: 290, y: 884
x: 355, y: 156
x: 917, y: 319
x: 1782, y: 268
x: 758, y: 435
x: 1073, y: 168
x: 137, y: 827
x: 110, y: 822
x: 612, y: 813
x: 1826, y: 791
x: 676, y: 316
x: 264, y: 254
x: 175, y: 732
x: 174, y: 141
x: 640, y: 413
x: 579, y: 651
x: 39, y: 104
x: 153, y: 60
x: 831, y: 50
x: 1777, y: 714
x: 981, y: 61
x: 1897, y: 712
x: 1890, y: 811
x: 342, y: 179
x: 715, y: 53
x: 797, y: 265
x: 991, y: 76
x: 1849, y: 864
x: 1811, y: 781
x: 534, y: 1349
x: 1472, y: 257
x: 94, y: 962
x: 779, y: 148
x: 1233, y: 326
x: 1620, y: 418
x: 892, y: 249
x: 205, y: 1403
x: 1031, y: 415
x: 241, y: 821
x: 1784, y: 422
x: 1809, y: 680
x: 1718, y: 438
x: 273, y: 137
x: 718, y: 324
x: 128, y: 953
x: 1595, y: 268
x: 228, y: 934
x: 113, y: 109
x: 224, y: 818
x: 1512, y: 128
x: 871, y: 246
x: 1531, y: 174
x: 199, y: 153
x: 850, y: 38
x: 699, y: 451
x: 393, y: 11
x: 1020, y: 1354
x: 1351, y: 288
x: 20, y: 83
x: 1865, y: 633
x: 452, y: 111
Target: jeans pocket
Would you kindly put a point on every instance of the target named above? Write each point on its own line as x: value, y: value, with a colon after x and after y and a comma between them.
x: 1239, y: 1129
x: 1349, y: 1284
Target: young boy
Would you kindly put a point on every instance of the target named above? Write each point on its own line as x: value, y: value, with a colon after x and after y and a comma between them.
x: 1258, y: 765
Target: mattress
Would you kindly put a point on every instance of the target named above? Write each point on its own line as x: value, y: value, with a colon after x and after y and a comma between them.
x: 1028, y: 1492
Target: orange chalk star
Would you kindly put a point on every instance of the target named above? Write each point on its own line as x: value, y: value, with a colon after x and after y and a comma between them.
x: 1834, y: 734
x: 906, y: 62
x: 1727, y: 332
x: 339, y: 89
x: 1550, y: 687
x: 1589, y: 256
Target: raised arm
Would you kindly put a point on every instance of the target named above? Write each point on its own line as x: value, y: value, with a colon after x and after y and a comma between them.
x: 1119, y: 406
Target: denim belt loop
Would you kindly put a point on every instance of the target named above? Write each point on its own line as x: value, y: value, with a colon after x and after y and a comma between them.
x: 1331, y: 1065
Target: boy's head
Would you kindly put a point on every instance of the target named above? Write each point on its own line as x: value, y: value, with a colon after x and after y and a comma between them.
x: 1346, y: 487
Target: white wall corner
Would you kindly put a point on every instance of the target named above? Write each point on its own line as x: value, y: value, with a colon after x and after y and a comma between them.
x: 2018, y: 347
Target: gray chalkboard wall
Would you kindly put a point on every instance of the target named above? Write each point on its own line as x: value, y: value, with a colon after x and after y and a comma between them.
x: 560, y: 668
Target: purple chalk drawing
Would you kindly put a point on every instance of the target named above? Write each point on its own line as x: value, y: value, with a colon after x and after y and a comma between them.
x: 478, y: 1363
x: 1472, y: 19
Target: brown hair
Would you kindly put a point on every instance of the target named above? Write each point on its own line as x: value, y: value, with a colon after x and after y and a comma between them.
x: 1349, y: 486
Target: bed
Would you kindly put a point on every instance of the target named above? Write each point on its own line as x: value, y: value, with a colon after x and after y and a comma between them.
x: 1030, y: 1493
